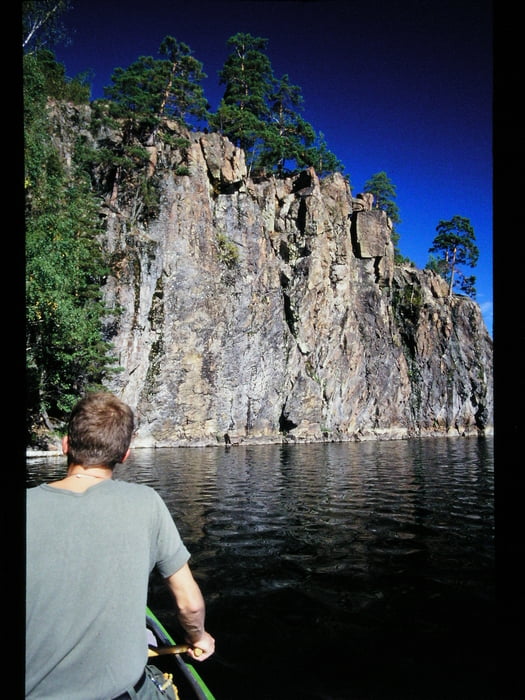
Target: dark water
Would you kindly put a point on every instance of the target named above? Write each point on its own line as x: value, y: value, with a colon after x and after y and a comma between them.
x: 352, y: 571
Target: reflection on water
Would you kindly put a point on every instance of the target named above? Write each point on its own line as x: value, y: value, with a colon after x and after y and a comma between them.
x: 351, y: 570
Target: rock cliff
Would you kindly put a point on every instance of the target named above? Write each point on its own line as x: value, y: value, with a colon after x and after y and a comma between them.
x: 271, y: 309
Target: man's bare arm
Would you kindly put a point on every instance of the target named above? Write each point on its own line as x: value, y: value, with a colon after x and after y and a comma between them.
x: 191, y: 612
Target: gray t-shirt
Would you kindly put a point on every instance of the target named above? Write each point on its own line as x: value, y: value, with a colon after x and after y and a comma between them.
x: 88, y: 560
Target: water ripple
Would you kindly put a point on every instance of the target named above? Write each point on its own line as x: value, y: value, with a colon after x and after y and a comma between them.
x: 383, y: 550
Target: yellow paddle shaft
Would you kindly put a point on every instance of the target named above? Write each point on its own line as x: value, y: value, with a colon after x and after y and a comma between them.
x: 177, y: 649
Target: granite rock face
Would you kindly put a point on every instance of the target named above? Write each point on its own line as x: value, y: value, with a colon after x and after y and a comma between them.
x: 270, y: 309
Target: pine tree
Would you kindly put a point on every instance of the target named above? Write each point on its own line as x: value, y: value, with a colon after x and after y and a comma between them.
x: 243, y: 113
x: 384, y: 192
x: 143, y: 97
x: 322, y: 159
x: 150, y: 89
x: 262, y: 115
x: 287, y: 135
x: 183, y: 97
x: 455, y: 246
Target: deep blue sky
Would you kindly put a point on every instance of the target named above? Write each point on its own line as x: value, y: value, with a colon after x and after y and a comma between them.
x: 403, y: 86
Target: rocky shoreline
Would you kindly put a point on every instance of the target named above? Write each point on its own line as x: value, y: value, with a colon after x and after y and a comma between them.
x: 288, y: 440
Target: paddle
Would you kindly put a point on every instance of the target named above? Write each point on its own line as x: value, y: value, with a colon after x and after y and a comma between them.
x: 177, y: 649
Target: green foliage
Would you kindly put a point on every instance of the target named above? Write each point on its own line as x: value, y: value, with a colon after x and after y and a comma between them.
x: 283, y: 127
x: 243, y: 112
x: 42, y: 24
x: 438, y: 265
x: 184, y: 97
x: 142, y: 98
x: 407, y: 302
x: 124, y: 177
x: 42, y: 29
x: 321, y: 159
x: 261, y: 114
x: 151, y: 89
x: 54, y: 82
x: 138, y: 89
x: 243, y: 128
x: 247, y: 75
x: 384, y: 192
x: 65, y: 269
x: 455, y: 246
x: 228, y: 251
x: 176, y: 142
x: 288, y: 135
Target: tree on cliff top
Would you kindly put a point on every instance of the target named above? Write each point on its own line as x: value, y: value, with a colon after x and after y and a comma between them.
x: 384, y: 192
x: 287, y: 134
x: 261, y: 114
x: 243, y: 112
x: 143, y: 98
x: 150, y: 89
x: 455, y: 246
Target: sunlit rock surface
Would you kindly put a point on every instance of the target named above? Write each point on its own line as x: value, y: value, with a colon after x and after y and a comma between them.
x: 268, y: 310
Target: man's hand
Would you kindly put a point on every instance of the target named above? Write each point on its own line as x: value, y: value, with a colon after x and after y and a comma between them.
x: 203, y: 648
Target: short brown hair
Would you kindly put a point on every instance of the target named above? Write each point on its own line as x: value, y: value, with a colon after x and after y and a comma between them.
x: 100, y: 429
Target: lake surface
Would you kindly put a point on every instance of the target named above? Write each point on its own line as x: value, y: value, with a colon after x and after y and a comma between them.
x: 346, y: 571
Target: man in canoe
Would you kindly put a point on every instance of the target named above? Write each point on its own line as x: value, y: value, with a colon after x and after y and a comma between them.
x: 92, y: 543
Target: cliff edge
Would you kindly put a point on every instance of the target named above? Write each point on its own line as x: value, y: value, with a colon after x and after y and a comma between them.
x: 264, y: 310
